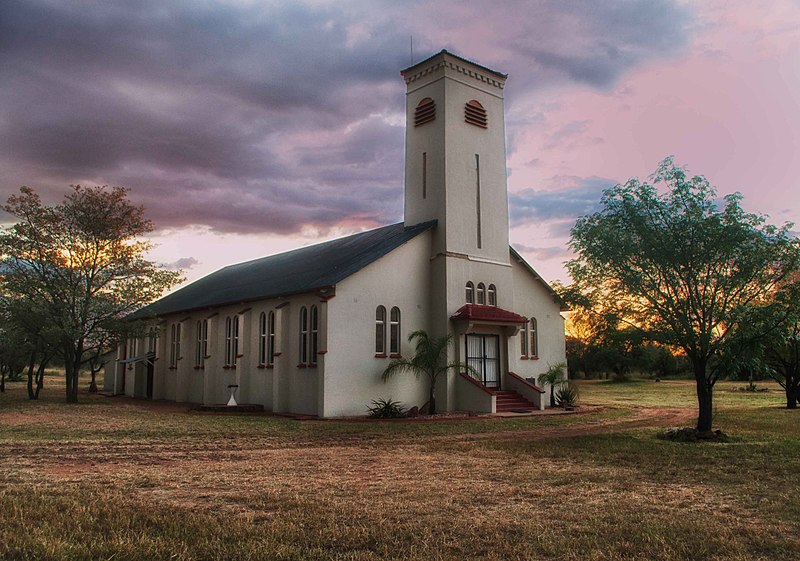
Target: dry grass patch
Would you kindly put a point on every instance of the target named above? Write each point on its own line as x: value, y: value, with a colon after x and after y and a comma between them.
x: 115, y: 479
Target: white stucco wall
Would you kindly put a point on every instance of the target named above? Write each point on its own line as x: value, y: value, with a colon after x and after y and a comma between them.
x: 532, y: 299
x: 450, y: 145
x: 352, y: 372
x: 298, y: 387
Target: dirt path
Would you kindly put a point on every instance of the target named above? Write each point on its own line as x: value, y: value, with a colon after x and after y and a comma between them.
x: 645, y: 417
x: 72, y: 458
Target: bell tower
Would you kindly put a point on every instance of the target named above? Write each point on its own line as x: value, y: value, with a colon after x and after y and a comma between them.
x: 455, y: 167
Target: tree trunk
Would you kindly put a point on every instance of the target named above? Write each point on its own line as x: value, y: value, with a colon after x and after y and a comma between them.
x: 31, y: 364
x: 2, y: 380
x: 552, y: 395
x: 40, y: 378
x: 432, y: 401
x: 792, y: 384
x: 704, y: 398
x: 93, y: 383
x: 72, y: 368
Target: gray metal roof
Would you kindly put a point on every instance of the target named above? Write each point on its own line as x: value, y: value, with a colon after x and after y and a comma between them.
x: 301, y: 270
x: 461, y: 58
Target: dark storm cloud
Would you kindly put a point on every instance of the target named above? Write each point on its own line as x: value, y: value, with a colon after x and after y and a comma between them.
x: 564, y: 205
x: 596, y: 42
x: 266, y: 118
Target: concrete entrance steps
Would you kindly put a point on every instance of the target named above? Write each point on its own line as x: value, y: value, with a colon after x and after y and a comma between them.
x: 509, y: 400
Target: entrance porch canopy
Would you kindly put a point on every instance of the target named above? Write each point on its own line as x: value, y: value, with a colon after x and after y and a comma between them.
x: 477, y: 314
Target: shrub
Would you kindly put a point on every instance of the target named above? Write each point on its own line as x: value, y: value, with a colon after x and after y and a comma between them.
x: 386, y: 409
x: 567, y: 395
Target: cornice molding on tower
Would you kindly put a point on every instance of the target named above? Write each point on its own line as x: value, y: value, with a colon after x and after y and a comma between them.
x: 457, y: 67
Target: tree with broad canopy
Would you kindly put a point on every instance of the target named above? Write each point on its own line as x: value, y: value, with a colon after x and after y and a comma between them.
x: 81, y: 265
x: 665, y: 258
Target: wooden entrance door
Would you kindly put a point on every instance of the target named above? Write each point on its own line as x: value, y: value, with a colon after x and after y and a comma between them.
x: 483, y: 355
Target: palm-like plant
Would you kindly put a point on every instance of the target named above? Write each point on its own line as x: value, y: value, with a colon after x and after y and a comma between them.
x: 553, y: 376
x: 430, y: 361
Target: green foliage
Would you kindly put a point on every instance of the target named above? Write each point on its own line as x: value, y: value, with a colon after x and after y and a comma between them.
x: 76, y: 270
x: 386, y: 409
x: 553, y: 376
x: 662, y: 258
x: 430, y: 360
x: 567, y: 395
x: 602, y: 343
x: 770, y: 342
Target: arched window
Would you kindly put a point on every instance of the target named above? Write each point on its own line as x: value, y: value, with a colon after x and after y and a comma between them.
x: 235, y: 340
x: 394, y: 331
x: 262, y: 339
x: 271, y: 339
x: 492, y: 294
x: 481, y: 293
x: 475, y: 114
x: 231, y: 325
x: 314, y: 342
x: 523, y: 341
x: 303, y: 351
x: 470, y: 293
x: 380, y: 330
x: 199, y: 356
x: 534, y: 338
x: 425, y: 112
x: 228, y: 341
x: 204, y: 341
x: 152, y: 337
x: 175, y: 345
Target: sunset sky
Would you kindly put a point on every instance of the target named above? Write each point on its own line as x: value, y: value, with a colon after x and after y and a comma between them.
x: 247, y: 127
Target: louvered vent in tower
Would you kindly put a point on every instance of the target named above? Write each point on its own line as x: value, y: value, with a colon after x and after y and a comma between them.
x: 425, y: 112
x: 475, y: 114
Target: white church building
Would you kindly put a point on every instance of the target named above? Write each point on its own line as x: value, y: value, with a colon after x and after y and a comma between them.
x: 310, y: 331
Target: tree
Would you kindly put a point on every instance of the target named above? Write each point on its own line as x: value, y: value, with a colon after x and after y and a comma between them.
x: 430, y: 360
x: 783, y: 357
x: 777, y: 349
x: 30, y: 334
x: 673, y: 264
x: 553, y: 376
x: 81, y: 263
x: 12, y: 351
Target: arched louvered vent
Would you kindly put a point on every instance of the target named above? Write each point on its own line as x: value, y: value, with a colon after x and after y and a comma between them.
x: 425, y: 112
x: 475, y: 114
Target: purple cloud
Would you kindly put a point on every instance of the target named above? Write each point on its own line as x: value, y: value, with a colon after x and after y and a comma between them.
x: 256, y: 118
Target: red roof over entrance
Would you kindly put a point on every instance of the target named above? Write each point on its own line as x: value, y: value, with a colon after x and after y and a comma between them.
x: 493, y: 314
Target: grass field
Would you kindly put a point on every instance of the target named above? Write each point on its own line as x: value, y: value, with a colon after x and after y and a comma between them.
x: 113, y: 478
